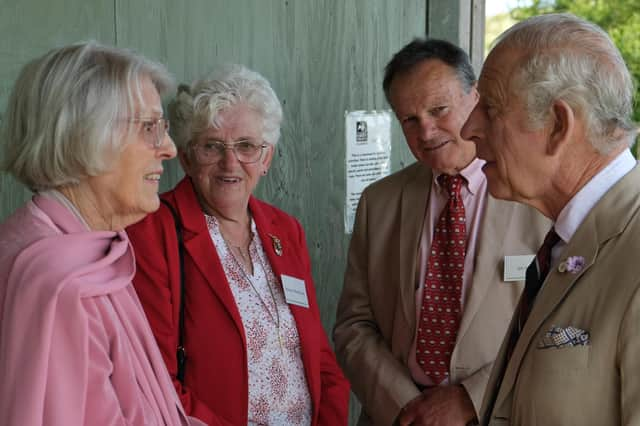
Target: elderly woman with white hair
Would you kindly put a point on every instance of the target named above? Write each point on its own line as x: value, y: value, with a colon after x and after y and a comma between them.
x: 85, y: 131
x: 225, y: 278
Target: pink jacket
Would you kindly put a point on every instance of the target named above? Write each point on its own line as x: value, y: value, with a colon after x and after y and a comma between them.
x: 75, y: 346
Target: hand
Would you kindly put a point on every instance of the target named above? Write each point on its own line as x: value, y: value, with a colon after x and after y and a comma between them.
x: 448, y: 405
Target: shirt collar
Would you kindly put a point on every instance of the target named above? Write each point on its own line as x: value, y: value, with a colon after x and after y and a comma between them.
x: 472, y: 175
x: 212, y: 222
x: 572, y: 215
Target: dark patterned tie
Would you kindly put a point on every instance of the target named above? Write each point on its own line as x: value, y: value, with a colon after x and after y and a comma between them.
x: 441, y: 301
x: 535, y: 276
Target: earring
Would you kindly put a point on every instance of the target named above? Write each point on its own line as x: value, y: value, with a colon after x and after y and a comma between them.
x: 264, y: 173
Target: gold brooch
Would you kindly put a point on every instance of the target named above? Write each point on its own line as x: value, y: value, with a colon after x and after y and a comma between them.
x: 277, y: 245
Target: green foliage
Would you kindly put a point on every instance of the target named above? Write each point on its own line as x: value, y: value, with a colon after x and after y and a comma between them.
x: 494, y: 26
x: 619, y: 18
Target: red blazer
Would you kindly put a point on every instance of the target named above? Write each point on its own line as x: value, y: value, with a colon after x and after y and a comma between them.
x: 216, y: 378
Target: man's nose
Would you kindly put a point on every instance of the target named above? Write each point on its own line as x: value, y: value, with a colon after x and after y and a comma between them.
x: 472, y: 129
x: 428, y: 129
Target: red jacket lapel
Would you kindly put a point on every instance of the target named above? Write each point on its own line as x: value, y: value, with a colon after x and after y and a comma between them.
x: 200, y: 248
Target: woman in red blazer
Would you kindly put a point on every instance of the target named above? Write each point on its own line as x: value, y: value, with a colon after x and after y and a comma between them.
x: 256, y: 351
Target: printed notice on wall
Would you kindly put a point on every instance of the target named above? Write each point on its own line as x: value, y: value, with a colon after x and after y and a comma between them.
x: 368, y: 137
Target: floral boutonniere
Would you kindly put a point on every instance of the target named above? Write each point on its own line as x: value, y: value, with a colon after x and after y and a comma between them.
x: 572, y: 264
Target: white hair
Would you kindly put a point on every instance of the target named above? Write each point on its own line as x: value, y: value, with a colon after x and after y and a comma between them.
x: 65, y: 112
x: 573, y: 60
x: 197, y: 108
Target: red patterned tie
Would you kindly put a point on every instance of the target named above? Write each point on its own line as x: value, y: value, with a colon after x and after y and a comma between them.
x: 441, y: 301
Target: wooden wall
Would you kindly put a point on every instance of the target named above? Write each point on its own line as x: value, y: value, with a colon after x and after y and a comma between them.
x: 461, y: 22
x: 323, y: 57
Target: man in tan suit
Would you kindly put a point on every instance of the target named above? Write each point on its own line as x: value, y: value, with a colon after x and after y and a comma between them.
x: 378, y: 334
x: 553, y: 124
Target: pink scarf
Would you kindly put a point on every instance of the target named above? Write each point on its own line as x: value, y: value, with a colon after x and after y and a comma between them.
x: 61, y: 289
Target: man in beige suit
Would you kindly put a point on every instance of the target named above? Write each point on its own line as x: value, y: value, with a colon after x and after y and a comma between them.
x: 553, y: 124
x: 431, y: 86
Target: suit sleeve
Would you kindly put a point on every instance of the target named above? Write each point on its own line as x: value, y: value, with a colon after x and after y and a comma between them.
x: 381, y: 382
x: 157, y: 283
x: 476, y: 384
x: 334, y: 394
x: 628, y: 350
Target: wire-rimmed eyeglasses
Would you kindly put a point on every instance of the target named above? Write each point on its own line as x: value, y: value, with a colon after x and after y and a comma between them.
x: 246, y: 151
x: 153, y: 130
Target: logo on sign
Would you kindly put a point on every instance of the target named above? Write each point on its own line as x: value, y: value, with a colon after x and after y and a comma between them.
x: 361, y: 131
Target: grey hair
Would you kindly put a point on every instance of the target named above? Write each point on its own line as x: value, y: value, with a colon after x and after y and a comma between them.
x: 573, y: 60
x: 197, y: 108
x: 65, y: 110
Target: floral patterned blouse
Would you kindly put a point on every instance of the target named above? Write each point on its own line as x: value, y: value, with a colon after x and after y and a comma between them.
x: 278, y: 391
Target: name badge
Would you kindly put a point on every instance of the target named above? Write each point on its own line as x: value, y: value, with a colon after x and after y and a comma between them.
x: 515, y: 267
x: 295, y: 291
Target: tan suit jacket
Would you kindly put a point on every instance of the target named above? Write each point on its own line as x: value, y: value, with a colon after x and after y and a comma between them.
x: 376, y: 318
x: 596, y: 384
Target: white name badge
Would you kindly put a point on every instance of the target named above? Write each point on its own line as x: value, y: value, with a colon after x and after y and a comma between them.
x: 295, y: 291
x: 515, y: 267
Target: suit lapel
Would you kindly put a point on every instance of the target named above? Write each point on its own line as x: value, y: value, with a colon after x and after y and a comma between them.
x: 597, y: 228
x: 275, y: 238
x: 415, y: 195
x: 494, y: 229
x: 200, y: 248
x: 556, y: 287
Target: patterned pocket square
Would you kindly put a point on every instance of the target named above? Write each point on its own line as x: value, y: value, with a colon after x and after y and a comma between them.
x: 562, y: 337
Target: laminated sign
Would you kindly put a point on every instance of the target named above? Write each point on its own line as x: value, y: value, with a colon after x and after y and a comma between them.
x: 368, y: 138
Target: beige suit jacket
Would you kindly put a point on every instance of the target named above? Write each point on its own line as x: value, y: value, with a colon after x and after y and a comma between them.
x: 596, y: 384
x: 376, y: 318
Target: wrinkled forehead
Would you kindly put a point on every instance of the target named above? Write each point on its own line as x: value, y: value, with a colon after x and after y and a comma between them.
x: 496, y: 80
x: 431, y: 74
x: 429, y: 82
x: 235, y: 122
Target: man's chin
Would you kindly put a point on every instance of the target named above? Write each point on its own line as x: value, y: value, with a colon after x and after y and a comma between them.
x: 500, y: 192
x: 497, y: 188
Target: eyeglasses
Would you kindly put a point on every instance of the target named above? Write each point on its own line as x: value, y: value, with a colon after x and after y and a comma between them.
x: 153, y: 130
x: 245, y: 151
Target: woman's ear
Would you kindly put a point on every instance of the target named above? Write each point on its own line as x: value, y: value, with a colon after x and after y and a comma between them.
x: 268, y: 156
x: 562, y: 126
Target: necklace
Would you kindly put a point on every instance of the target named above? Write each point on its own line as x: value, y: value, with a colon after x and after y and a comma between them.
x: 242, y: 249
x: 275, y: 318
x: 244, y: 254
